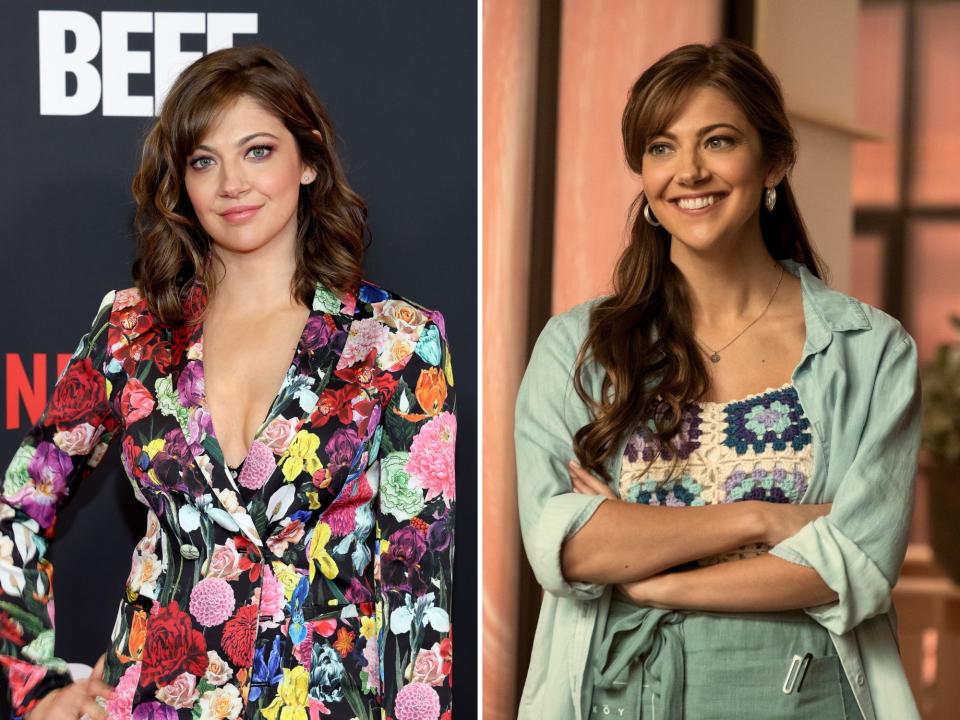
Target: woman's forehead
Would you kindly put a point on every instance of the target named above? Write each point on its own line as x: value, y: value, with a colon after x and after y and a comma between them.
x: 237, y: 118
x: 697, y: 108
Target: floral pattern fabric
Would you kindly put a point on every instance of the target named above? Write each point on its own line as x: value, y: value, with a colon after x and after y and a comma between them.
x: 757, y: 448
x: 313, y: 582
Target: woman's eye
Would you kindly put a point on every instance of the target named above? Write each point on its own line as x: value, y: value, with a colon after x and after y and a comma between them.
x: 720, y: 142
x: 199, y: 163
x: 657, y: 149
x: 258, y: 152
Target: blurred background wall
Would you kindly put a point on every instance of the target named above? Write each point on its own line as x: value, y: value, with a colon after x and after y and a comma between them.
x: 871, y: 90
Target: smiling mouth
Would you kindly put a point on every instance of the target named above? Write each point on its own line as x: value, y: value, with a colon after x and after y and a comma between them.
x: 698, y: 203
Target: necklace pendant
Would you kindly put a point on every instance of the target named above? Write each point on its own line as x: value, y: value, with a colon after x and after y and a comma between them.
x: 715, y: 358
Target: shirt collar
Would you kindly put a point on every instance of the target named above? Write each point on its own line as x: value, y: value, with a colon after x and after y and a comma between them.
x: 825, y: 310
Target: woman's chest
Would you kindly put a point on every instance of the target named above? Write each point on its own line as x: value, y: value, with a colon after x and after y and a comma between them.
x: 758, y: 448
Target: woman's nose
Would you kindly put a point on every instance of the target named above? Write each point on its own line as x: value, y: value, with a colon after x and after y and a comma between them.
x: 691, y: 169
x: 233, y: 179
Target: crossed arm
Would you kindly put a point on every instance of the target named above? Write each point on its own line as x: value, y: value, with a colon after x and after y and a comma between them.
x: 675, y: 536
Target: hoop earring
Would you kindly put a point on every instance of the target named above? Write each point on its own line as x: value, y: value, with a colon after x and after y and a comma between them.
x: 649, y: 217
x: 770, y: 198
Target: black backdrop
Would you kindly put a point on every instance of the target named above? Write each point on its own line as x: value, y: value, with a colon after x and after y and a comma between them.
x: 399, y: 81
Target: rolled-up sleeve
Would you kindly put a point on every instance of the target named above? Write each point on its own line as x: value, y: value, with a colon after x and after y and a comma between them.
x: 859, y: 547
x: 548, y: 414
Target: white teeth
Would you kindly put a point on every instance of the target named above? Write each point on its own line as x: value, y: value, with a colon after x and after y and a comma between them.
x: 697, y: 203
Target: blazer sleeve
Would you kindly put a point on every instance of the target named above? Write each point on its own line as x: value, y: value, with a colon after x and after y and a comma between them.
x: 859, y: 546
x: 73, y: 432
x: 414, y: 531
x: 548, y: 413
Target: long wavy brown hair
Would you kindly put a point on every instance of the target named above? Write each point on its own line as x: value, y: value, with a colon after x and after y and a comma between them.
x: 173, y: 249
x: 641, y: 335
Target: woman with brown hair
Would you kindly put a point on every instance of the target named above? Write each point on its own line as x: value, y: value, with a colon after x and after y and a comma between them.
x: 716, y: 461
x: 298, y: 552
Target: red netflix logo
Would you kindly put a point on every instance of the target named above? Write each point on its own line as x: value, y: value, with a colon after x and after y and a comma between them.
x: 31, y: 388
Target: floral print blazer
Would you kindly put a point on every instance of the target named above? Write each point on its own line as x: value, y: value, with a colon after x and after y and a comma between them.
x: 315, y: 583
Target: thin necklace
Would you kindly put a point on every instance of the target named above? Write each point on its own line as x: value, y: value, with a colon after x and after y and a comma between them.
x: 715, y: 356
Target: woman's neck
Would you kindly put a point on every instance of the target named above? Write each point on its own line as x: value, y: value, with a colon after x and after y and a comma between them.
x: 728, y: 287
x: 254, y: 282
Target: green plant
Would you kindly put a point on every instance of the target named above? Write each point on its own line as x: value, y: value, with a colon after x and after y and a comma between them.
x: 940, y: 379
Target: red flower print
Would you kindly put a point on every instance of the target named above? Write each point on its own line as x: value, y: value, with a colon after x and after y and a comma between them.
x: 362, y: 373
x: 446, y: 652
x: 371, y: 378
x: 344, y: 642
x: 324, y: 627
x: 161, y: 355
x: 136, y: 401
x: 10, y: 630
x: 23, y: 677
x: 131, y: 351
x: 249, y: 557
x: 172, y: 646
x: 134, y: 321
x: 335, y: 403
x: 239, y: 634
x: 80, y: 396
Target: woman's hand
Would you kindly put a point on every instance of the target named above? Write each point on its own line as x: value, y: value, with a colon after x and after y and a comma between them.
x: 74, y: 700
x: 782, y: 520
x: 586, y: 484
x: 653, y: 591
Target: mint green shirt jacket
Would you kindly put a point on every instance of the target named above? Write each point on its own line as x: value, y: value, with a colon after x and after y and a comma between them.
x: 858, y: 383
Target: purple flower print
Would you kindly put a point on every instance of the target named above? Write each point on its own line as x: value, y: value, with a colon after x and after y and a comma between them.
x: 440, y: 533
x: 199, y: 425
x: 190, y: 385
x: 358, y: 592
x: 154, y: 711
x: 400, y: 564
x: 48, y: 471
x: 318, y: 332
x: 341, y: 448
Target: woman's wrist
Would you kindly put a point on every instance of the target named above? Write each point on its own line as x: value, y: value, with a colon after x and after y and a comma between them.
x: 655, y: 591
x: 758, y: 517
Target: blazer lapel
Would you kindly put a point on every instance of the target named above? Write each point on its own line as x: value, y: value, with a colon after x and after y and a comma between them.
x: 266, y: 471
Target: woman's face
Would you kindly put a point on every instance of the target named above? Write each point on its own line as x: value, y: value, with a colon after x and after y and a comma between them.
x: 244, y: 178
x: 704, y: 176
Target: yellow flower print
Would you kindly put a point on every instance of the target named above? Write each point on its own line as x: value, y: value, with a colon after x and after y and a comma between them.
x: 313, y: 498
x: 151, y: 449
x: 288, y: 576
x: 301, y: 455
x: 448, y: 369
x: 368, y: 627
x: 318, y: 552
x: 291, y: 696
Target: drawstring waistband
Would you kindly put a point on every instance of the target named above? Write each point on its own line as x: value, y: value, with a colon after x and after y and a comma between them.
x: 651, y: 635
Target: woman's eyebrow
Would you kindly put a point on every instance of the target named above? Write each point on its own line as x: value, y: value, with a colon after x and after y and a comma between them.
x: 702, y: 131
x: 241, y: 141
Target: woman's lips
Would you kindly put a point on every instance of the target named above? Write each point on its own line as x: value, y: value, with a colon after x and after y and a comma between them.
x: 700, y: 211
x: 241, y: 214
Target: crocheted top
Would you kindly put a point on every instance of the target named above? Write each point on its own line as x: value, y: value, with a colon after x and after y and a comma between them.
x: 756, y: 448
